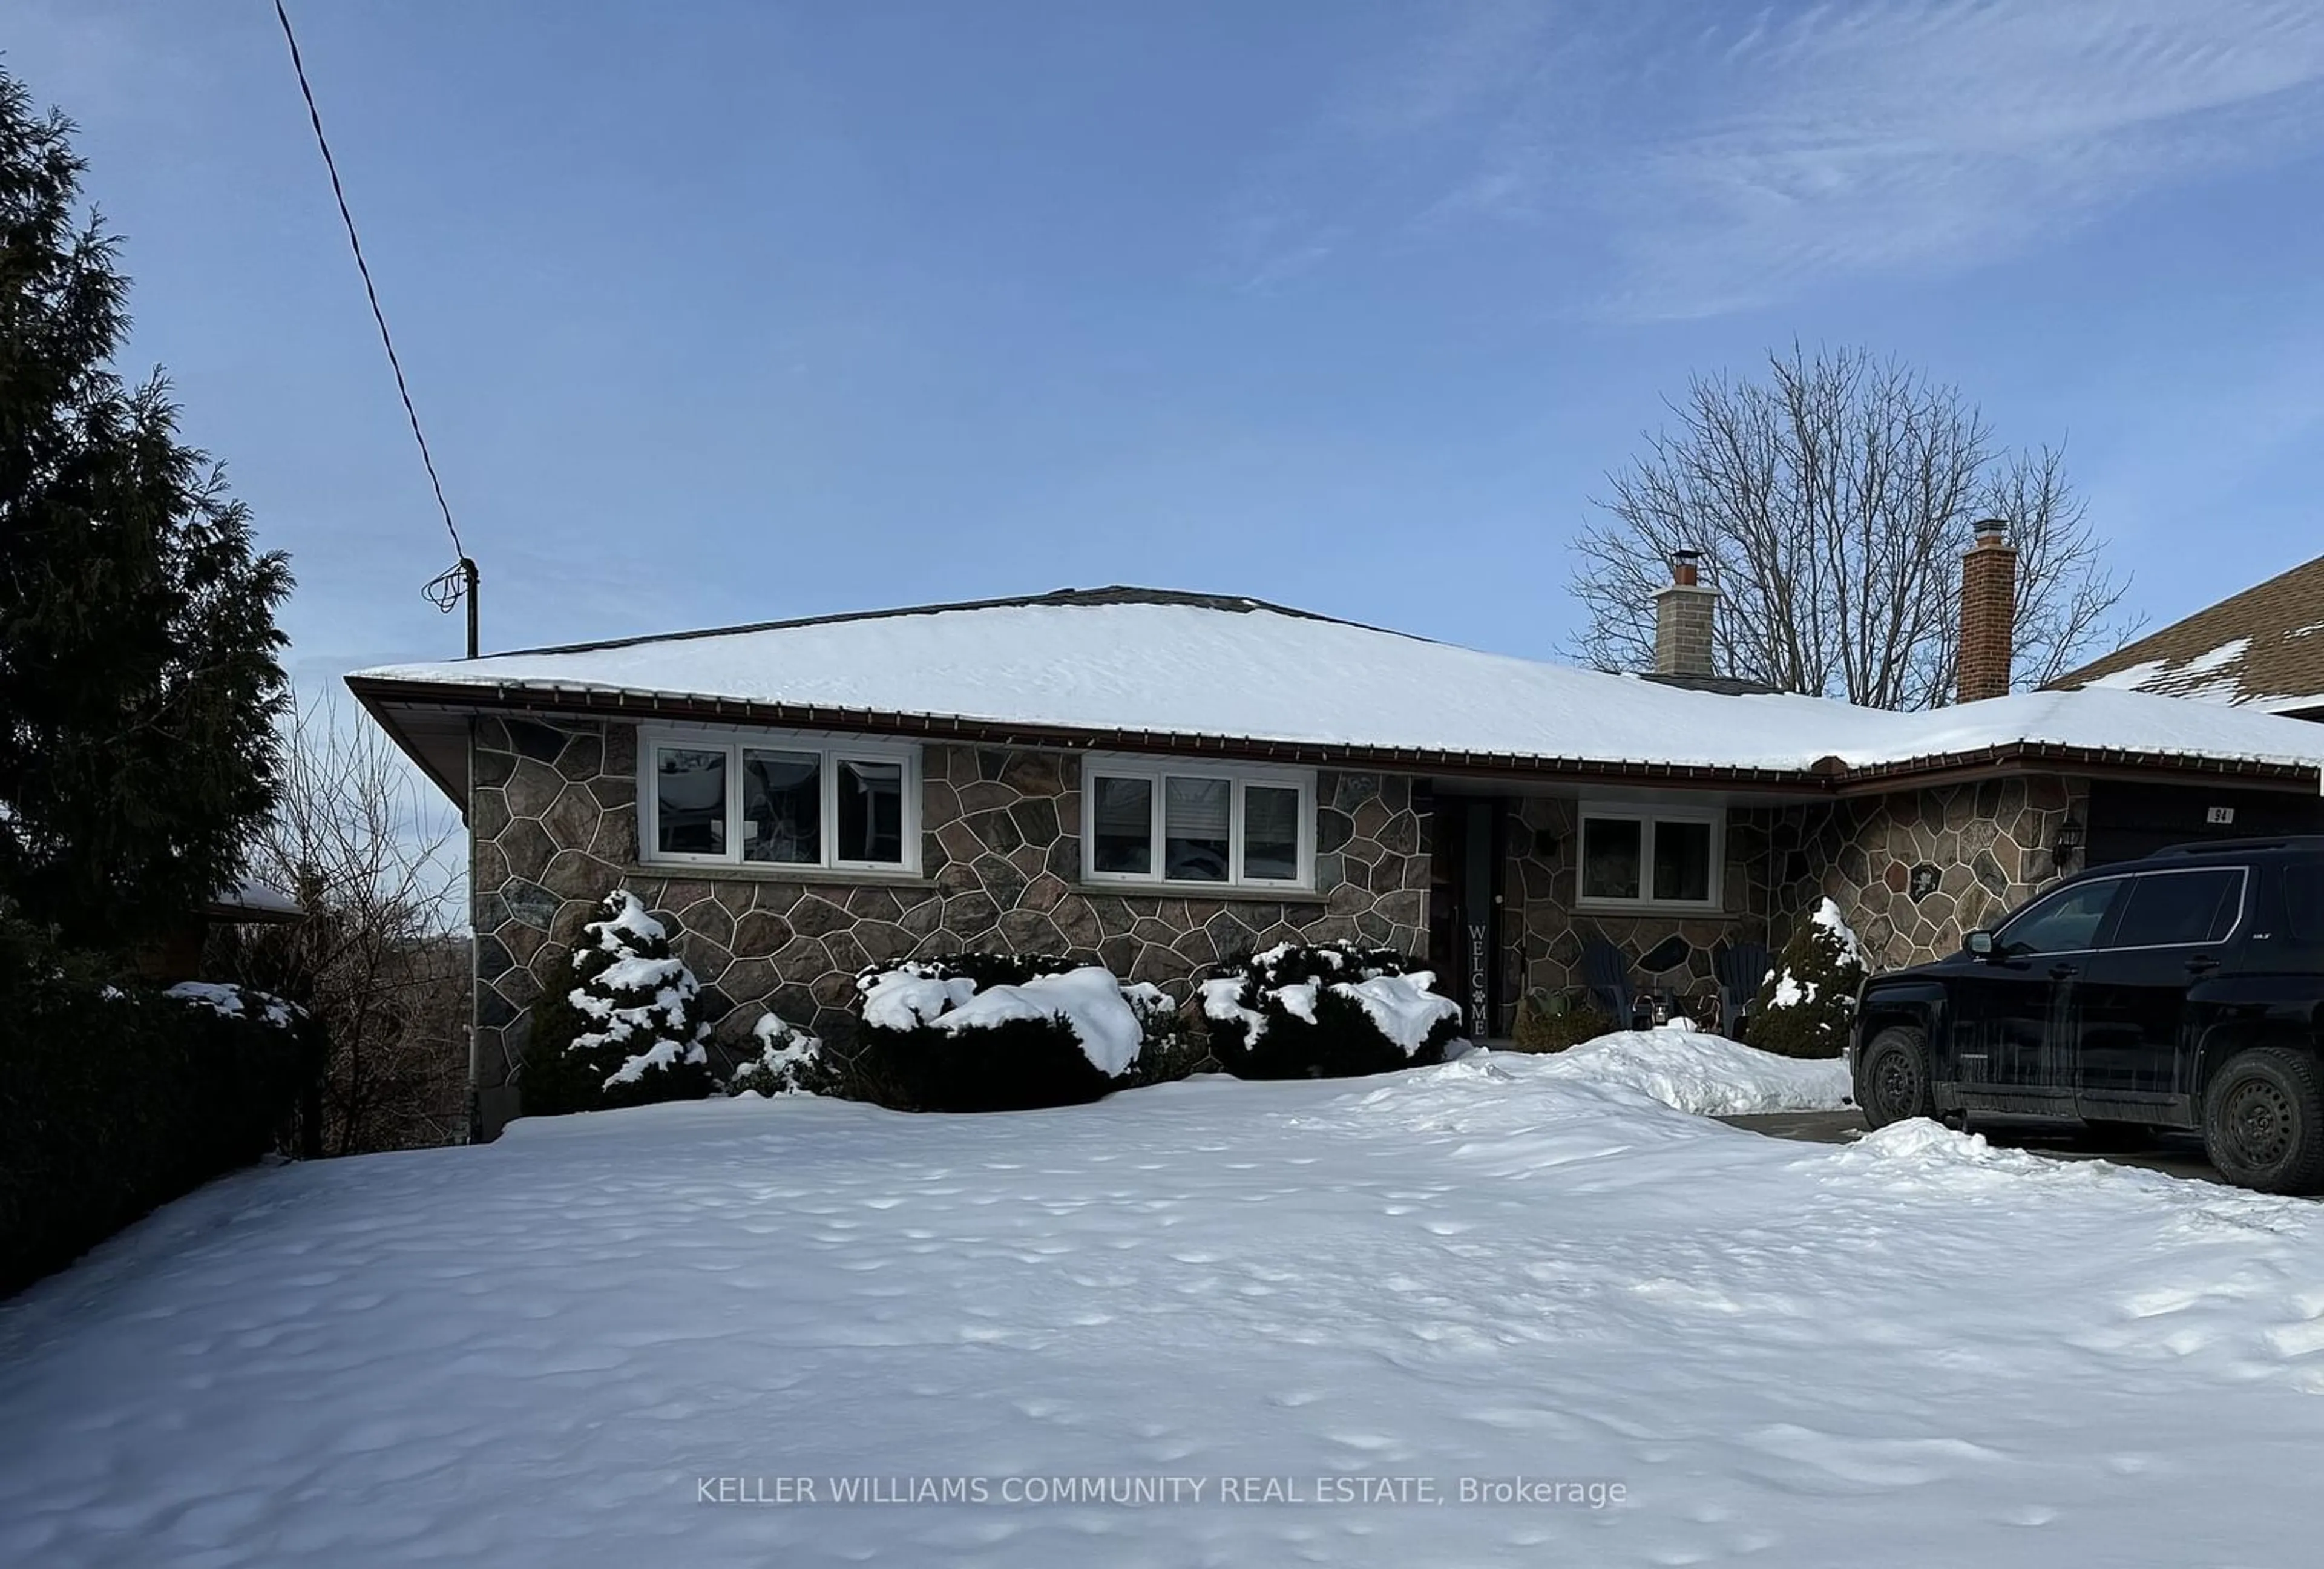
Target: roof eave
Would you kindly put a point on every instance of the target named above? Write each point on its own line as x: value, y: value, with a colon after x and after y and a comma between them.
x: 384, y: 698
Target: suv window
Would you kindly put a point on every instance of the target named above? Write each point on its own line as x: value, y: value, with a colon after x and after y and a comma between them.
x: 2175, y: 909
x: 2066, y: 922
x: 2303, y: 899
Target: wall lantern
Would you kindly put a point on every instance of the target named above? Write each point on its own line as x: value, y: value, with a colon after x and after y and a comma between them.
x: 2066, y: 844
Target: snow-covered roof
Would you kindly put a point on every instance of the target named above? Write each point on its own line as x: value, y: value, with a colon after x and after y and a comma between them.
x: 1152, y: 665
x: 248, y: 898
x: 2261, y: 649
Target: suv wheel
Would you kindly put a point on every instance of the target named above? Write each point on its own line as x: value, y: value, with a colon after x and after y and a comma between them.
x: 1891, y: 1077
x: 2263, y: 1122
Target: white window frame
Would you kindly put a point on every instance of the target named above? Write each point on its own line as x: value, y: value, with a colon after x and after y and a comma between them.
x: 1646, y: 817
x: 1241, y: 776
x: 734, y: 741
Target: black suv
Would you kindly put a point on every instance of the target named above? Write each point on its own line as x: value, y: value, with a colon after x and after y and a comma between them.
x: 2182, y: 991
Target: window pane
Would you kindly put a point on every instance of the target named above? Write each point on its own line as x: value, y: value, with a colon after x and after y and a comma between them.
x: 782, y: 807
x: 2179, y: 908
x: 1683, y: 860
x: 1195, y: 814
x: 871, y: 811
x: 1123, y: 843
x: 2303, y: 902
x: 1609, y: 858
x: 1270, y: 833
x: 689, y: 800
x: 2066, y: 922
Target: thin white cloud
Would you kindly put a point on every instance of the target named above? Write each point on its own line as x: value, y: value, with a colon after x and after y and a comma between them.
x: 1737, y: 161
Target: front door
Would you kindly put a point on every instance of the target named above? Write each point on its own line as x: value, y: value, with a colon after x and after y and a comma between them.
x: 2165, y: 943
x: 2020, y: 1011
x: 1464, y: 898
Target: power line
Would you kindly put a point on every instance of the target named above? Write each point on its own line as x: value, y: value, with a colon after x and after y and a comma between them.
x: 448, y: 588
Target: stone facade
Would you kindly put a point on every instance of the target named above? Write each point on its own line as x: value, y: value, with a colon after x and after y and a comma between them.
x: 554, y: 822
x: 1912, y: 871
x: 1541, y: 933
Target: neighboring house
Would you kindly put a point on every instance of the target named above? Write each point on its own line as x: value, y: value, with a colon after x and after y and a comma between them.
x: 2261, y: 649
x: 177, y: 953
x: 1160, y: 780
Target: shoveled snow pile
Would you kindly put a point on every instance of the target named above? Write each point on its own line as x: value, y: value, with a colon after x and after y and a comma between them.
x: 1708, y: 1075
x: 1106, y: 1017
x: 1221, y: 1322
x: 235, y: 1001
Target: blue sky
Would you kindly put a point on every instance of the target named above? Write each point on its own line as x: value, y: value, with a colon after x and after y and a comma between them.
x: 720, y: 313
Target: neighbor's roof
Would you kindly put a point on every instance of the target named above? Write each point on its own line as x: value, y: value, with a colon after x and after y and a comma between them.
x: 249, y: 899
x: 2261, y: 649
x: 1152, y: 669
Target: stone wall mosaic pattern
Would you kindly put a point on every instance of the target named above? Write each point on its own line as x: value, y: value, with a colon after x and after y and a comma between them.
x: 553, y: 818
x: 1543, y: 935
x: 1915, y: 870
x: 1911, y: 873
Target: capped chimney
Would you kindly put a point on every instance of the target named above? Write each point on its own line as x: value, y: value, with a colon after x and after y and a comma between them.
x: 1682, y: 617
x: 1988, y: 612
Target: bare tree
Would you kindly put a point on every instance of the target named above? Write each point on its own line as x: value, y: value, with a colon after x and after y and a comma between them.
x: 1831, y: 501
x: 371, y: 859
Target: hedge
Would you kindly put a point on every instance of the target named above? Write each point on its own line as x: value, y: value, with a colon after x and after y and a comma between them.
x: 905, y: 1059
x: 114, y: 1102
x: 1323, y: 1012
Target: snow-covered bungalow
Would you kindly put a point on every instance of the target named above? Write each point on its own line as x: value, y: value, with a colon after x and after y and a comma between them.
x: 1161, y: 778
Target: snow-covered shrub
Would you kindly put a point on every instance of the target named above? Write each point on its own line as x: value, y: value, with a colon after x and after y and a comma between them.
x: 114, y: 1097
x: 1329, y: 1010
x: 1550, y: 1021
x: 790, y: 1062
x: 624, y: 1027
x: 1175, y: 1046
x: 1808, y: 999
x: 237, y: 1002
x: 993, y: 1032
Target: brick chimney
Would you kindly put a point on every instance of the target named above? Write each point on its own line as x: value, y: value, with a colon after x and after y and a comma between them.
x: 1988, y: 612
x: 1683, y: 616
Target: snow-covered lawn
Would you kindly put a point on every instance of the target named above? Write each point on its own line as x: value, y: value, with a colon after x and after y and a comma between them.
x: 1910, y: 1350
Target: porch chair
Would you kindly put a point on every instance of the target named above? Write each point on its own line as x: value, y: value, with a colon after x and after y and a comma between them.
x: 1607, y: 973
x: 1741, y: 968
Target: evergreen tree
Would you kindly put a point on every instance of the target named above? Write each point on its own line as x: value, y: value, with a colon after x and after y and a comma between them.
x: 1808, y: 1000
x: 624, y: 1027
x: 139, y: 676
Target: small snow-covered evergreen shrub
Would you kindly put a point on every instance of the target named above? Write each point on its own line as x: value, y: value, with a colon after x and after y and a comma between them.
x: 1806, y: 1003
x: 997, y: 1032
x: 1549, y: 1022
x: 790, y: 1062
x: 1328, y: 1011
x: 115, y: 1097
x: 1176, y: 1047
x: 624, y: 1029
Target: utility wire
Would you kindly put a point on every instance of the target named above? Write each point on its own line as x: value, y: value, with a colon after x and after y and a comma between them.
x: 446, y: 589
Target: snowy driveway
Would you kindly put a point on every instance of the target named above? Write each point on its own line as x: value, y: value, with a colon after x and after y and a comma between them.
x: 2177, y: 1154
x: 1912, y: 1350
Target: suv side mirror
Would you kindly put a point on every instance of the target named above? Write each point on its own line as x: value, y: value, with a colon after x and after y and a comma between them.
x: 1978, y: 943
